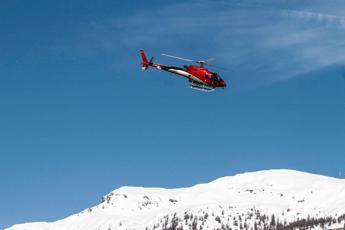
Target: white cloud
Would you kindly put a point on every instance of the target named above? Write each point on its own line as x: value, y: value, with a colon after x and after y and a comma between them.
x: 261, y: 43
x: 325, y: 19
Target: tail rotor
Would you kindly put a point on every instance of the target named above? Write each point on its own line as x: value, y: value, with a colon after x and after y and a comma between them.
x: 145, y: 63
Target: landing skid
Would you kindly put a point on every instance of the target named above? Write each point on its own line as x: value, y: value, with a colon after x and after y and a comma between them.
x: 201, y: 87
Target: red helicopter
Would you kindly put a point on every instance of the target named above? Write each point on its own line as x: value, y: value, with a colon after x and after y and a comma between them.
x: 199, y: 77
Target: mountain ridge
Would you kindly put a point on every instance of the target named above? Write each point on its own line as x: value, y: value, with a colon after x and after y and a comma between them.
x: 288, y: 194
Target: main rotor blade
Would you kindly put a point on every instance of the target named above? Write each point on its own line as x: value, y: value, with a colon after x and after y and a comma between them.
x: 218, y: 67
x: 184, y: 59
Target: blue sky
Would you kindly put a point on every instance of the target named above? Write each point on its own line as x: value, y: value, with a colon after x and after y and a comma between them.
x: 78, y: 117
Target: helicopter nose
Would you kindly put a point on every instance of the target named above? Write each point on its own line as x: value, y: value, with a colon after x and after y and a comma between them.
x: 223, y: 84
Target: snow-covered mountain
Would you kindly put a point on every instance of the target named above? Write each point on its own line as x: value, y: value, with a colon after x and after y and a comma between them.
x: 272, y: 199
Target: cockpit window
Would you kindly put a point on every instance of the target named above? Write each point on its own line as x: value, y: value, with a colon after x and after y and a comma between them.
x: 214, y: 76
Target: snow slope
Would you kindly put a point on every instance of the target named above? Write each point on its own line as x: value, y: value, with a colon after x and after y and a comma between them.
x: 246, y: 199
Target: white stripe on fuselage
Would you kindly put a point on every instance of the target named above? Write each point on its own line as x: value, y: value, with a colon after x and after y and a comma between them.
x: 186, y: 74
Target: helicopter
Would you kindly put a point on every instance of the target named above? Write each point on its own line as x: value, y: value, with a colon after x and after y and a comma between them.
x: 200, y: 78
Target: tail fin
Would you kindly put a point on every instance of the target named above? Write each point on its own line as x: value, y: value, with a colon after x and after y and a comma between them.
x: 145, y: 62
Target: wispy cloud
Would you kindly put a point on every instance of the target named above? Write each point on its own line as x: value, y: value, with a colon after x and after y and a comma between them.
x: 325, y: 19
x: 261, y: 43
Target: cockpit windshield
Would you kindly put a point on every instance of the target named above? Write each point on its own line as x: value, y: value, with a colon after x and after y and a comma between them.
x: 214, y: 76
